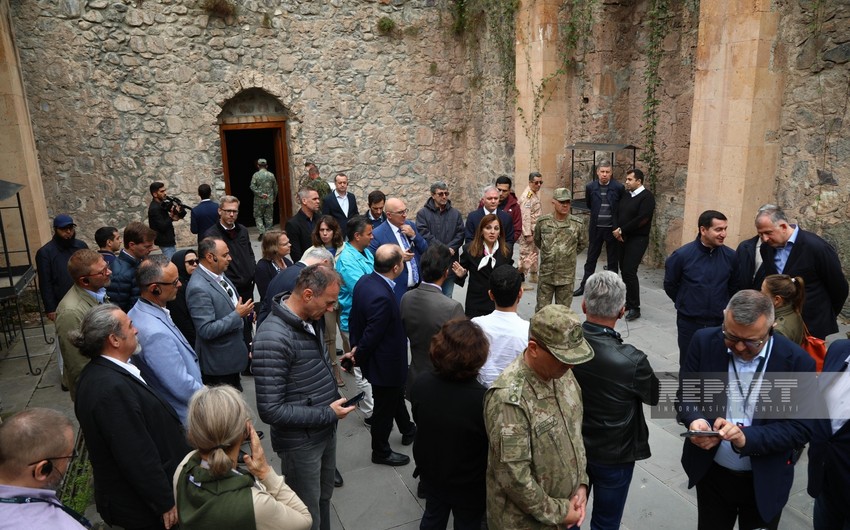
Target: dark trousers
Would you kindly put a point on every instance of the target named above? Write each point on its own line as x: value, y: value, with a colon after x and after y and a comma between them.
x: 594, y: 249
x: 830, y: 513
x: 309, y: 471
x: 686, y: 327
x: 724, y: 496
x: 610, y: 487
x: 438, y: 507
x: 631, y: 253
x: 229, y: 379
x: 389, y: 406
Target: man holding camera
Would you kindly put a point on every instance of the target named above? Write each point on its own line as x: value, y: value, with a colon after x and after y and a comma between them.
x: 161, y: 216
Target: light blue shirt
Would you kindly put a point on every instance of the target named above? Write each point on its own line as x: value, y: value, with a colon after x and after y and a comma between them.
x: 98, y: 295
x: 351, y: 265
x: 780, y: 258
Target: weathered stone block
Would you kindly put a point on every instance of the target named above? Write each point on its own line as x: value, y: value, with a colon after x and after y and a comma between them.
x: 839, y: 54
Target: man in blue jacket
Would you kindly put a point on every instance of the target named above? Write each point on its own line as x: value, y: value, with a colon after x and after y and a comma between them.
x: 603, y: 198
x: 700, y: 277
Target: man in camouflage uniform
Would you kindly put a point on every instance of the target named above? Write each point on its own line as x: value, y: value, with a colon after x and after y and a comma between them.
x: 311, y: 181
x: 536, y: 464
x: 560, y: 237
x: 529, y: 203
x: 264, y: 186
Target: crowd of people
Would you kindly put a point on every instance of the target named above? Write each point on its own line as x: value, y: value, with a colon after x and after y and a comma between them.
x: 514, y: 422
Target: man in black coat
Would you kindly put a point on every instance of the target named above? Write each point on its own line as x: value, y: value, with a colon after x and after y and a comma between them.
x: 340, y: 204
x: 51, y: 263
x: 788, y: 249
x: 634, y: 223
x: 299, y: 227
x: 162, y: 220
x: 134, y: 437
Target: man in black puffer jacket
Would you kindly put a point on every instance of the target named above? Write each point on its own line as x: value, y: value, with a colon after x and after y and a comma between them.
x: 296, y: 389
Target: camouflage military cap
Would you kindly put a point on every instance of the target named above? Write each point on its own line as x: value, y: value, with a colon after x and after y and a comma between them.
x: 559, y: 330
x: 562, y: 194
x: 262, y: 162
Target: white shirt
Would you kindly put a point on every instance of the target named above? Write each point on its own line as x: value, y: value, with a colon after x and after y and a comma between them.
x: 134, y: 371
x: 508, y: 336
x: 637, y: 191
x: 343, y: 202
x: 218, y: 279
x: 405, y: 245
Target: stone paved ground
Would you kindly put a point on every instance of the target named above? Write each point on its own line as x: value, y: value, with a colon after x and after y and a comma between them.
x: 378, y: 497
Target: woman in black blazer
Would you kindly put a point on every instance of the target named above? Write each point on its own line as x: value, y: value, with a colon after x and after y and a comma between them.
x: 275, y: 247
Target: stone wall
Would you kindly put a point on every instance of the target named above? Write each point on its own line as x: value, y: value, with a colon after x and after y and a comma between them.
x: 124, y: 93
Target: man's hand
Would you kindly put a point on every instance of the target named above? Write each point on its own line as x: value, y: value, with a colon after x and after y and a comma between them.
x: 169, y: 518
x: 578, y: 507
x: 703, y: 442
x: 618, y: 234
x: 407, y: 230
x: 408, y: 255
x: 244, y: 309
x: 731, y: 432
x: 51, y: 316
x: 340, y: 411
x: 452, y: 251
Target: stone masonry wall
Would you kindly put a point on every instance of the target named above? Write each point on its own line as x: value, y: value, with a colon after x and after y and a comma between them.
x: 124, y: 93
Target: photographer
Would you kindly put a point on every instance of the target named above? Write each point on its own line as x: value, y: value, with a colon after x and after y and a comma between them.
x: 162, y: 213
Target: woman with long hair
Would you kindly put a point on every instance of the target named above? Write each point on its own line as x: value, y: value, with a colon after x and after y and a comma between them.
x: 210, y: 492
x: 479, y: 258
x: 186, y: 262
x: 275, y: 250
x: 327, y: 234
x: 450, y: 448
x: 788, y: 295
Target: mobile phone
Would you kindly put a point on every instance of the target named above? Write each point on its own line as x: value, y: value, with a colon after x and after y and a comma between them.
x: 690, y: 434
x: 355, y: 400
x: 244, y: 449
x: 347, y: 364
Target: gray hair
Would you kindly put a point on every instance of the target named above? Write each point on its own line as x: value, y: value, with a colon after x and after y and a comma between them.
x: 533, y: 175
x: 489, y: 188
x: 32, y: 435
x: 314, y: 255
x: 439, y: 185
x: 317, y: 278
x: 304, y: 193
x: 228, y: 198
x: 604, y: 294
x: 749, y: 305
x: 150, y: 270
x: 772, y: 212
x: 604, y: 163
x: 98, y: 324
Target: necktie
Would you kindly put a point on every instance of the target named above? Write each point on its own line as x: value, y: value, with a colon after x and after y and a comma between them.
x: 413, y: 268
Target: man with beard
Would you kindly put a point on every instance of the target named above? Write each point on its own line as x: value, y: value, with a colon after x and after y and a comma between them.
x: 51, y: 262
x: 36, y: 447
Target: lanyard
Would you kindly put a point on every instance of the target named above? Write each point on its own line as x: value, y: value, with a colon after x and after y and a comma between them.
x: 759, y: 371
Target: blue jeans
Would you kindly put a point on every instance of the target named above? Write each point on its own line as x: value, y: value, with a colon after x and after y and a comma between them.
x: 829, y: 514
x: 168, y: 251
x: 610, y: 487
x: 309, y: 471
x: 449, y: 285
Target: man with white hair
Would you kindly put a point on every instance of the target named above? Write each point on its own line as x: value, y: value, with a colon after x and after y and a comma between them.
x: 490, y: 205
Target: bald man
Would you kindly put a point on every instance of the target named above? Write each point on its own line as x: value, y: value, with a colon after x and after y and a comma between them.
x: 399, y: 231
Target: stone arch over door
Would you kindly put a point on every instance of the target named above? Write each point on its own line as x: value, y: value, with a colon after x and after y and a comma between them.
x: 252, y: 125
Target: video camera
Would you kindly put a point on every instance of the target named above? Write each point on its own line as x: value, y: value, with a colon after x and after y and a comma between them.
x: 175, y: 205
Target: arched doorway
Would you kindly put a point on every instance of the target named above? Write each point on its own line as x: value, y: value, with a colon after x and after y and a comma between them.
x: 252, y: 125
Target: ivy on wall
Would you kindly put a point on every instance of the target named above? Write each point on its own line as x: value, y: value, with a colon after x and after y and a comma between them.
x: 657, y: 25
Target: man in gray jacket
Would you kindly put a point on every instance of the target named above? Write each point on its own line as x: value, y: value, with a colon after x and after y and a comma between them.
x: 296, y: 390
x: 438, y: 221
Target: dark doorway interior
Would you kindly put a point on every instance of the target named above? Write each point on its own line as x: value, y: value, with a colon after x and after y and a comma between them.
x: 244, y: 147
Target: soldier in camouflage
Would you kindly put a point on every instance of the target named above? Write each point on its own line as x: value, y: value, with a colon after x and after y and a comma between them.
x: 536, y: 476
x: 560, y: 237
x: 529, y: 203
x: 312, y: 181
x: 264, y: 186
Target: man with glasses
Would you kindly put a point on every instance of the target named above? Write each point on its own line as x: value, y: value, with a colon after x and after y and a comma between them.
x: 218, y: 313
x: 529, y: 202
x: 91, y: 275
x: 36, y: 448
x: 51, y: 262
x: 700, y: 277
x: 167, y: 362
x: 489, y: 205
x: 745, y: 471
x: 134, y: 437
x: 399, y: 231
x: 438, y: 221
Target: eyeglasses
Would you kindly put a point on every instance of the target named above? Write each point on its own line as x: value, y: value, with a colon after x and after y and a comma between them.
x: 231, y: 212
x: 102, y: 272
x: 400, y: 212
x: 731, y: 340
x: 442, y: 193
x: 72, y: 455
x: 537, y: 182
x: 192, y: 262
x: 173, y: 284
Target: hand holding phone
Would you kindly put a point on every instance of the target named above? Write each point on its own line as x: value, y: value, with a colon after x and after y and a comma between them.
x: 690, y: 434
x: 355, y: 400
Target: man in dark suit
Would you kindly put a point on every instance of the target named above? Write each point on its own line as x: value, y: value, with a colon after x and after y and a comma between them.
x: 746, y: 471
x: 379, y: 347
x: 788, y: 249
x: 134, y: 437
x: 205, y: 214
x: 425, y: 309
x: 218, y: 314
x: 489, y: 205
x: 829, y: 453
x: 603, y: 199
x: 399, y: 231
x: 299, y: 227
x: 340, y: 204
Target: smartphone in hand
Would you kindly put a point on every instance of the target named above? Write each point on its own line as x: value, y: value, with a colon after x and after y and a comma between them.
x: 355, y: 400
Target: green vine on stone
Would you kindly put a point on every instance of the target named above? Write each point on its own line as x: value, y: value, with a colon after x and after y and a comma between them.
x: 658, y: 26
x: 575, y: 22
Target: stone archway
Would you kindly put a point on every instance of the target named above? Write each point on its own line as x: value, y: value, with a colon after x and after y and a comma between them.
x: 252, y: 125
